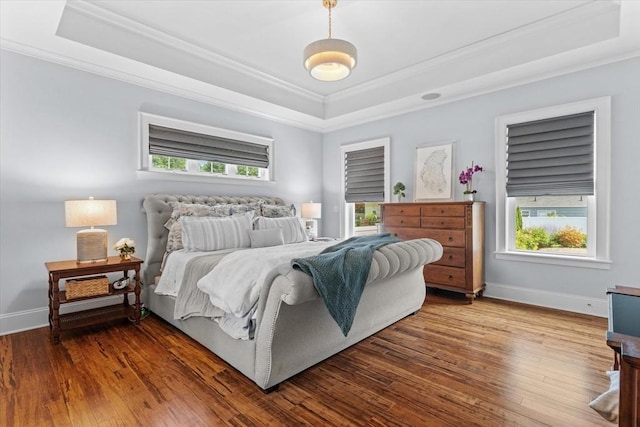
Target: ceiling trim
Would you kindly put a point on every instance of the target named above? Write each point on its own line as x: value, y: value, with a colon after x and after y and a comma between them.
x: 85, y: 58
x: 136, y: 29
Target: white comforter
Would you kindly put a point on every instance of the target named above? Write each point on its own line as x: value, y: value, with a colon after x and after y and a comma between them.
x: 234, y: 284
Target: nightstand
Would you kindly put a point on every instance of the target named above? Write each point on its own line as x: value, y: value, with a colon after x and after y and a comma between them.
x: 72, y: 269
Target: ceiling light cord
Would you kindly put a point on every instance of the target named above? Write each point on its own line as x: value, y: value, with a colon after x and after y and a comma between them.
x: 330, y: 59
x: 329, y: 7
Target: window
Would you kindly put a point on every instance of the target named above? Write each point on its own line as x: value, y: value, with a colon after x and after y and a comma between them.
x: 171, y: 146
x: 365, y: 185
x: 552, y: 182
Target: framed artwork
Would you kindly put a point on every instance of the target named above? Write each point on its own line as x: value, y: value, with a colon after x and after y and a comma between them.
x: 434, y: 172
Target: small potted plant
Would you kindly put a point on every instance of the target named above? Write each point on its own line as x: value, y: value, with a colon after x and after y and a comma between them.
x: 466, y: 179
x: 398, y: 190
x: 126, y: 247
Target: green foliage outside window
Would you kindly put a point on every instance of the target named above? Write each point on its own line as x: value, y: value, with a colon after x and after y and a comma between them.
x: 518, y: 218
x: 247, y: 171
x: 212, y: 167
x: 532, y: 238
x: 568, y: 237
x: 535, y: 238
x: 170, y: 163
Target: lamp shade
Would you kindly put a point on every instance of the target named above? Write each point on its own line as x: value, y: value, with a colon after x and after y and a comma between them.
x: 91, y: 243
x: 90, y: 213
x: 330, y: 59
x: 311, y: 210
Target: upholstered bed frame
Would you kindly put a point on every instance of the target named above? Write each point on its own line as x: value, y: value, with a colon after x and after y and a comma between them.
x: 293, y: 327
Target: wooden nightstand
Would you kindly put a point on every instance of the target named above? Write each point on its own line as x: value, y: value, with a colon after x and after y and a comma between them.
x: 73, y: 269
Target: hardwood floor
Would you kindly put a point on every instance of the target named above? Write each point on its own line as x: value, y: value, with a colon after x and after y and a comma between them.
x: 492, y: 363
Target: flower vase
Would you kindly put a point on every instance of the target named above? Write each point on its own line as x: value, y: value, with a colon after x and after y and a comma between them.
x: 399, y: 198
x: 125, y: 256
x: 470, y: 197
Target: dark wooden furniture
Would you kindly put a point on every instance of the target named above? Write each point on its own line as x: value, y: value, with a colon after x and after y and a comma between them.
x: 72, y: 269
x: 458, y: 226
x: 628, y: 349
x: 623, y: 337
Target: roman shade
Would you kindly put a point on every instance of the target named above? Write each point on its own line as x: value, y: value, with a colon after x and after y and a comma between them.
x: 551, y: 157
x: 364, y: 175
x: 179, y: 143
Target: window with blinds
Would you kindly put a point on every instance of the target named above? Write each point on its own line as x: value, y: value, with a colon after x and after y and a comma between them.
x: 364, y: 175
x: 170, y: 145
x: 365, y: 183
x: 548, y: 201
x: 551, y: 157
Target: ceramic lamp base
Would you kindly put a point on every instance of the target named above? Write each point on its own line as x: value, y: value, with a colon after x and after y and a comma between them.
x: 92, y: 245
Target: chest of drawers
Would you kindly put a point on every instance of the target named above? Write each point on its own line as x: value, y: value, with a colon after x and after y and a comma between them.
x: 458, y: 226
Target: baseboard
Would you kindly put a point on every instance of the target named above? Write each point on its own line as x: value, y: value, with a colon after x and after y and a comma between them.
x: 37, y: 318
x: 574, y: 303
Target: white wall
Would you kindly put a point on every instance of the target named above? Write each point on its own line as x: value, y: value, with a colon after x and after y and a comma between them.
x: 471, y: 123
x: 67, y: 134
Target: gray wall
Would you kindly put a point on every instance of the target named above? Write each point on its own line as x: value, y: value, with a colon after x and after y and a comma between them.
x: 67, y: 134
x: 471, y: 123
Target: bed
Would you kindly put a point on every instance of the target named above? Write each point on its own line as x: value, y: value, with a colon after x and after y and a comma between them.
x: 292, y: 328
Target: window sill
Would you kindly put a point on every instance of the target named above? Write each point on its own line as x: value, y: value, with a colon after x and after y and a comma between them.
x: 184, y: 177
x: 563, y: 260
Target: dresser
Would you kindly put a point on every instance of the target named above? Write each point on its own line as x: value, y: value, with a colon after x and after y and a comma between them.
x: 458, y: 226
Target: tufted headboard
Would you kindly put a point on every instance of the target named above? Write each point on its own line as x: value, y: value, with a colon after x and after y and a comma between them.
x: 158, y: 211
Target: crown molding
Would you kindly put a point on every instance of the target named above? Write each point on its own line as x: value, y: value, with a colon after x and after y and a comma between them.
x: 177, y: 85
x: 135, y: 29
x: 607, y: 14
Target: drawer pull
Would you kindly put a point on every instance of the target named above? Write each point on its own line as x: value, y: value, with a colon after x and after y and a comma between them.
x: 395, y: 234
x: 401, y: 221
x: 450, y: 277
x: 450, y: 257
x: 401, y: 211
x: 451, y: 238
x: 441, y: 222
x: 442, y: 211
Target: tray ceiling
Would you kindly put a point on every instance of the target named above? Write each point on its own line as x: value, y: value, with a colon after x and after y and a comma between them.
x: 247, y: 55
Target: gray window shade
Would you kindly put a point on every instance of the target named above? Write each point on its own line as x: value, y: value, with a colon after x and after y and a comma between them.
x: 364, y: 175
x: 165, y: 141
x: 551, y: 157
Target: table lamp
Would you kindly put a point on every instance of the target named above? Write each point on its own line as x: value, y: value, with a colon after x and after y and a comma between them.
x: 310, y: 212
x: 92, y: 242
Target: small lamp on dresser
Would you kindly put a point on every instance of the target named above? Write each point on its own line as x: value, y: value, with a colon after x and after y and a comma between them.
x: 310, y: 212
x: 92, y: 242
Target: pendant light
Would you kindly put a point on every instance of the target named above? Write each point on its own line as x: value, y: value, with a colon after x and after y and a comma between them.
x: 330, y: 59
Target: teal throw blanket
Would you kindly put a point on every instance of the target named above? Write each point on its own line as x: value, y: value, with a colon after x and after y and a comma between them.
x: 340, y: 273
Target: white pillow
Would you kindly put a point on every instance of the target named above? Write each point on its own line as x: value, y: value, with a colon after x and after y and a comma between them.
x: 213, y: 234
x: 292, y: 230
x: 266, y: 237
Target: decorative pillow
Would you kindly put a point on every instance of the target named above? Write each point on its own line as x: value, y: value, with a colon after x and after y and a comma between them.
x: 277, y: 211
x: 195, y: 209
x: 212, y: 234
x: 266, y: 237
x: 236, y: 209
x: 292, y: 230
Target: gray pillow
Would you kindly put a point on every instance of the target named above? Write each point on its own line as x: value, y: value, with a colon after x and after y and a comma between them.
x: 266, y: 237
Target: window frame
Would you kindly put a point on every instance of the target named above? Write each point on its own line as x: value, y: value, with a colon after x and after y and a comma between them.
x: 347, y: 214
x: 145, y: 171
x: 598, y: 205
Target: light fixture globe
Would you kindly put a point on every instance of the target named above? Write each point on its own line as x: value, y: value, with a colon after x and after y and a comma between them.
x: 330, y: 59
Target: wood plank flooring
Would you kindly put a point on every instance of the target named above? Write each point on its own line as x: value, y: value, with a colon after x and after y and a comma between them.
x: 492, y: 363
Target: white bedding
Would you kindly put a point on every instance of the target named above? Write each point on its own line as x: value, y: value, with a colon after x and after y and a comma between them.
x: 234, y: 284
x: 173, y: 271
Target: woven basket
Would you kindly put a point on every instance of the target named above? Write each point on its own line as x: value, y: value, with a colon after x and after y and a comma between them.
x: 88, y: 286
